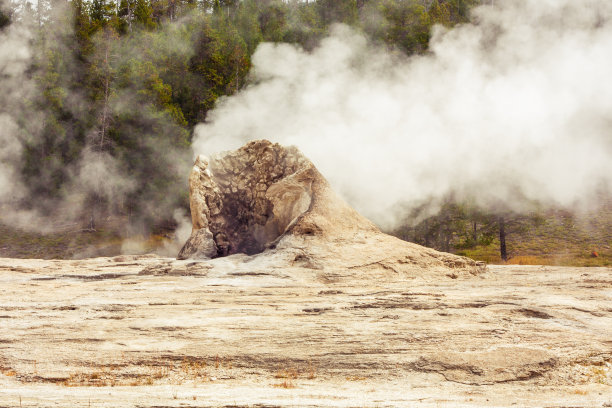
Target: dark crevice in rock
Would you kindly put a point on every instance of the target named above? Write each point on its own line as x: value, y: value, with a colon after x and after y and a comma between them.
x: 266, y: 198
x: 245, y: 200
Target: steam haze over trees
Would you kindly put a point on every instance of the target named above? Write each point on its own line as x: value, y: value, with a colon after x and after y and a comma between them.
x: 99, y: 101
x: 114, y: 89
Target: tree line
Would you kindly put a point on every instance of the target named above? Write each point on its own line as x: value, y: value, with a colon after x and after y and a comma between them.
x: 117, y: 87
x: 458, y: 224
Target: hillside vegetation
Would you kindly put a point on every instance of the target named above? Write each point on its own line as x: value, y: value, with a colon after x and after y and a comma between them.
x: 543, y: 236
x: 100, y: 99
x: 72, y: 242
x: 550, y: 237
x: 109, y: 91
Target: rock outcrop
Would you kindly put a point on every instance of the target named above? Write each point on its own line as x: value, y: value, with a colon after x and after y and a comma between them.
x: 266, y: 198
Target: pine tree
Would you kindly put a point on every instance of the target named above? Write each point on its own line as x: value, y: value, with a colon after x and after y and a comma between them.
x: 101, y: 12
x: 5, y: 19
x: 338, y: 11
x: 439, y: 13
x: 82, y: 29
x: 143, y: 14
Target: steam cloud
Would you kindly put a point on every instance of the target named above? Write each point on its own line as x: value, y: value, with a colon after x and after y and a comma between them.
x: 15, y: 57
x: 94, y: 171
x: 518, y: 101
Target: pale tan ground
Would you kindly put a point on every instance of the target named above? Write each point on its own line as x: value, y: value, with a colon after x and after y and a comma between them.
x: 150, y: 332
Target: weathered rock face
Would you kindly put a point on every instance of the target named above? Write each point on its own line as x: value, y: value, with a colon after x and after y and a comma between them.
x: 243, y: 201
x: 265, y: 197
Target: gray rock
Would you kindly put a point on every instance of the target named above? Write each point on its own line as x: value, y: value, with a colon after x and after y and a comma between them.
x: 266, y: 198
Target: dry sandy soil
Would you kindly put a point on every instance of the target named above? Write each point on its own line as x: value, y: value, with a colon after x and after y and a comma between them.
x: 150, y: 332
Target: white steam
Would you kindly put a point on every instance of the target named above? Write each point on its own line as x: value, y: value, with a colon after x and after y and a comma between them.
x: 520, y: 100
x: 14, y: 61
x: 15, y: 58
x: 96, y: 183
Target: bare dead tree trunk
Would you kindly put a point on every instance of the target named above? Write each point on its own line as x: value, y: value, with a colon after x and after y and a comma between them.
x: 92, y: 219
x: 105, y: 121
x: 129, y: 16
x: 502, y: 239
x: 39, y: 14
x: 39, y: 18
x: 104, y: 113
x: 447, y: 239
x: 107, y: 79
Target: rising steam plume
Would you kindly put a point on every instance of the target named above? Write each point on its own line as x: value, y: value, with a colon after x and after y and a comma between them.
x: 24, y: 114
x: 518, y: 102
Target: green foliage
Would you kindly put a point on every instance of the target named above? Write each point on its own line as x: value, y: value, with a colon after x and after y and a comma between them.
x: 132, y: 78
x: 5, y: 19
x: 337, y: 11
x: 408, y: 27
x: 273, y: 22
x: 460, y: 9
x: 143, y: 14
x: 82, y: 29
x: 101, y: 12
x: 439, y: 13
x: 538, y: 236
x: 62, y: 244
x: 248, y: 25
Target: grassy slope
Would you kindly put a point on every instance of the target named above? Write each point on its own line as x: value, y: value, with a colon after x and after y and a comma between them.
x: 74, y: 243
x: 16, y: 243
x: 561, y: 239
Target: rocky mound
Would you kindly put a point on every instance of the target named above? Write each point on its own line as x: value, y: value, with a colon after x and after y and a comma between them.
x: 270, y: 199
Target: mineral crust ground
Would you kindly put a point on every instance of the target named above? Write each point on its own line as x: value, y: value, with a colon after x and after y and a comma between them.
x: 153, y: 332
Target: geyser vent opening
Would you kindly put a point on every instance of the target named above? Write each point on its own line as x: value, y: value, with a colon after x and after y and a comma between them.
x: 244, y: 201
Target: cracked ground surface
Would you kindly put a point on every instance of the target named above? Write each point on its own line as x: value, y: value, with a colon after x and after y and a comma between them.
x: 152, y: 332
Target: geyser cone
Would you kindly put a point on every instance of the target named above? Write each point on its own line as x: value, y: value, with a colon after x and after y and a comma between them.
x: 270, y: 199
